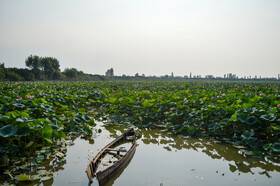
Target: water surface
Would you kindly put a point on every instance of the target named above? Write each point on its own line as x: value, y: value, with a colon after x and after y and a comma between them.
x: 163, y: 158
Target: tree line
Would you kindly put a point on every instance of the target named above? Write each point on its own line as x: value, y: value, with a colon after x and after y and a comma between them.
x: 43, y: 68
x: 48, y: 68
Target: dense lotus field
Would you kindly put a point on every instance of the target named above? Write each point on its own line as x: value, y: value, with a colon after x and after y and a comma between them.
x: 36, y: 115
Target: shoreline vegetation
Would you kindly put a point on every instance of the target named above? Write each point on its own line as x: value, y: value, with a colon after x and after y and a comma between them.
x: 47, y: 68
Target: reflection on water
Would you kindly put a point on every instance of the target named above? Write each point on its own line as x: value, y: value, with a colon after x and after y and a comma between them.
x: 237, y: 161
x: 164, y: 158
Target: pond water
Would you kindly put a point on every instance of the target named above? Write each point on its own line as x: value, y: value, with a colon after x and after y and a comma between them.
x: 165, y: 159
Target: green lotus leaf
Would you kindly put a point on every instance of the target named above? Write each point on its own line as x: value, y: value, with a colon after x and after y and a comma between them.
x: 153, y: 115
x: 248, y: 153
x: 91, y: 122
x: 56, y: 128
x: 251, y: 120
x: 36, y: 177
x: 269, y: 117
x: 77, y: 120
x: 5, y: 118
x: 267, y: 146
x: 247, y: 135
x: 233, y: 117
x: 275, y: 147
x: 191, y: 130
x: 87, y: 130
x: 275, y: 127
x: 242, y: 117
x: 29, y: 144
x: 42, y: 172
x: 45, y: 178
x: 257, y: 154
x: 8, y: 130
x: 23, y: 178
x: 19, y: 105
x: 179, y: 113
x: 47, y: 131
x: 250, y: 110
x: 21, y: 120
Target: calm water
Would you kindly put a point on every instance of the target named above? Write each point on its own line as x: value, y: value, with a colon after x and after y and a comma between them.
x: 171, y: 160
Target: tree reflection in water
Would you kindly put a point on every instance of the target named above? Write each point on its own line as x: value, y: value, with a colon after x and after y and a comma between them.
x: 237, y: 160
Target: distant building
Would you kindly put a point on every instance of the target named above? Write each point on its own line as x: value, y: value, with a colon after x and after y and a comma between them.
x: 209, y: 76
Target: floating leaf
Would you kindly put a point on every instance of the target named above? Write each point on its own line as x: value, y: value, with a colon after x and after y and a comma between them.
x: 36, y: 177
x: 45, y: 178
x: 248, y: 153
x: 42, y: 172
x: 87, y: 130
x: 23, y: 178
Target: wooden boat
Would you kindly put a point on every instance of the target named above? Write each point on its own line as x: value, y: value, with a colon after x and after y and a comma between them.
x: 104, y: 175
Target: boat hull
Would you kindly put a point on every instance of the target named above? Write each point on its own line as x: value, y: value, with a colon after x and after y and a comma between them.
x: 107, y: 174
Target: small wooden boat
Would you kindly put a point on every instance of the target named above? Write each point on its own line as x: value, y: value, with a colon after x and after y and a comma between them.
x: 104, y: 175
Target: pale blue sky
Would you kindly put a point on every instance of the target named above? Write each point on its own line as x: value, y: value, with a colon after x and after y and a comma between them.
x: 154, y: 37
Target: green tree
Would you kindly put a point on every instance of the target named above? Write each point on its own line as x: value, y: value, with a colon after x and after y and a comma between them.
x: 71, y: 73
x: 2, y: 71
x: 50, y: 67
x: 110, y: 72
x: 13, y: 76
x: 34, y: 63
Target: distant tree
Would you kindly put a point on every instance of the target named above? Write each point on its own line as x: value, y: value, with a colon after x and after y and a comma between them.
x: 71, y: 73
x: 2, y: 71
x: 57, y: 75
x: 34, y: 63
x: 49, y: 66
x: 110, y: 72
x: 13, y: 76
x: 43, y: 67
x: 136, y: 75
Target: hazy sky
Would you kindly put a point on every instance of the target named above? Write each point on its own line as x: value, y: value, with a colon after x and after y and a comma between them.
x: 154, y: 37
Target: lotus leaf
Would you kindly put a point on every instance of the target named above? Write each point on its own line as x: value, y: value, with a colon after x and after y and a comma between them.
x: 269, y: 117
x: 251, y: 120
x: 45, y: 178
x: 8, y: 131
x: 275, y: 147
x: 267, y: 146
x: 23, y: 178
x: 47, y: 131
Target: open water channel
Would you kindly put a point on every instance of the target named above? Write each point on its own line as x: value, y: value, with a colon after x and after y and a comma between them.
x: 165, y: 159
